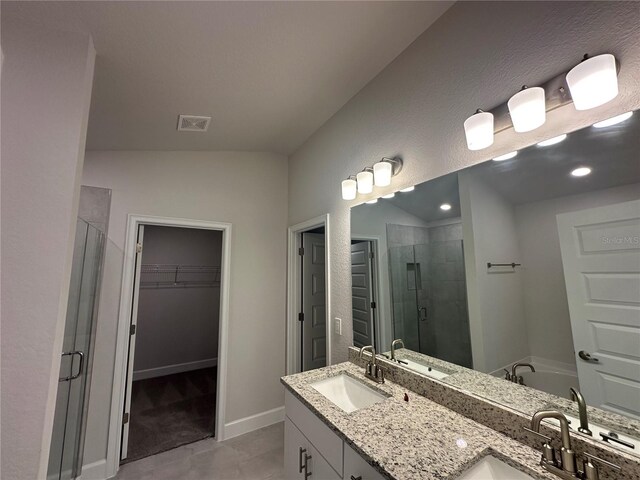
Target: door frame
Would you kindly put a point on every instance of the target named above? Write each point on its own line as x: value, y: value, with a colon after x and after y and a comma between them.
x: 381, y: 303
x: 293, y: 289
x: 124, y: 320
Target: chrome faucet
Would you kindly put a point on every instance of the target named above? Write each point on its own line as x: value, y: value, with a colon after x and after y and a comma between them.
x: 582, y: 409
x: 372, y: 370
x: 393, y: 347
x: 566, y: 468
x: 514, y: 372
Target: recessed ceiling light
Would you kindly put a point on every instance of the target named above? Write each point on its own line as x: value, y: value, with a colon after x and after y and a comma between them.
x: 408, y: 189
x: 389, y: 195
x: 613, y: 120
x: 371, y: 202
x: 506, y: 156
x: 552, y: 141
x: 581, y: 171
x: 445, y: 207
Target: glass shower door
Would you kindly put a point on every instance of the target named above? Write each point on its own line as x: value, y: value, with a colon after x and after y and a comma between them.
x: 65, y: 457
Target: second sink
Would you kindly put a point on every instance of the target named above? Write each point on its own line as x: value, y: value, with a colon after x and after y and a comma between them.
x: 348, y: 393
x: 491, y: 468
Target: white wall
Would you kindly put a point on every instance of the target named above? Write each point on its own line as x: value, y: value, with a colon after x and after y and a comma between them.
x: 371, y: 221
x: 545, y: 295
x: 248, y: 190
x: 178, y: 327
x: 496, y: 301
x: 46, y: 89
x: 476, y: 55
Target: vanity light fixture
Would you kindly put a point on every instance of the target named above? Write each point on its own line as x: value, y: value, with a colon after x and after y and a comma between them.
x: 594, y: 81
x: 445, y: 207
x: 371, y: 202
x: 349, y: 189
x: 506, y: 156
x: 552, y: 141
x: 382, y: 172
x: 389, y: 195
x: 527, y: 109
x: 365, y: 181
x: 478, y: 129
x: 613, y: 120
x: 408, y: 189
x: 581, y: 172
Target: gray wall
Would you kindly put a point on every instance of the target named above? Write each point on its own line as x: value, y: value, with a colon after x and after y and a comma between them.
x: 246, y: 189
x: 178, y: 325
x: 475, y: 56
x: 46, y: 88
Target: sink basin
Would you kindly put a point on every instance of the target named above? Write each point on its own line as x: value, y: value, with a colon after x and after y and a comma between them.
x: 424, y: 369
x: 490, y: 468
x: 348, y: 393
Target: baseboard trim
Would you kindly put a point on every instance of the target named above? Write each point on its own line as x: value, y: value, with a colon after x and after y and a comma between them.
x: 176, y: 368
x: 253, y: 422
x: 94, y: 471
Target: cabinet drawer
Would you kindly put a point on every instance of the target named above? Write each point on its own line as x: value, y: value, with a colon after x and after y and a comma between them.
x: 356, y: 468
x: 321, y: 436
x: 300, y: 457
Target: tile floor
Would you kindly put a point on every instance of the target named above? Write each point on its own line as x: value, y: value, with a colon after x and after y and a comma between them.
x: 257, y: 455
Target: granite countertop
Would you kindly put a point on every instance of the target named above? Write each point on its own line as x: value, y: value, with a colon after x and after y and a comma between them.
x: 413, y: 440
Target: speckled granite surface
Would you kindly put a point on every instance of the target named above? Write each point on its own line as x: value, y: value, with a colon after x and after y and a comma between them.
x: 527, y: 400
x: 500, y: 417
x: 413, y: 440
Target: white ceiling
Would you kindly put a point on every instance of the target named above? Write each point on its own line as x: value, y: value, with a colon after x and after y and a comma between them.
x: 269, y: 73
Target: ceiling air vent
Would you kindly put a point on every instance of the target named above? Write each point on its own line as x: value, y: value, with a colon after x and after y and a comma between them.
x: 193, y: 123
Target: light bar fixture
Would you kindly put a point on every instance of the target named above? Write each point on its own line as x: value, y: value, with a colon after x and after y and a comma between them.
x: 589, y: 84
x: 379, y: 175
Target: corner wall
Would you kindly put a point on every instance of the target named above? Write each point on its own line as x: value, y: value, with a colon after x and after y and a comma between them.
x: 46, y: 87
x: 476, y: 55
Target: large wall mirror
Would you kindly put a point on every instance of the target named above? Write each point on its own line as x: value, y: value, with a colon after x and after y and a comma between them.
x: 530, y: 261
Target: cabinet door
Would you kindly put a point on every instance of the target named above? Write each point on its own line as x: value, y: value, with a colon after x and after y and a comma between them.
x: 317, y: 467
x: 356, y: 468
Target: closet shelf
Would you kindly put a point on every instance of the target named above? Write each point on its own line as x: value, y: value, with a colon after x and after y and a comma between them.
x: 179, y: 276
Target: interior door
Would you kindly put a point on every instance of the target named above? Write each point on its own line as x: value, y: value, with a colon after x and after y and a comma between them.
x: 132, y: 344
x: 362, y: 303
x: 314, y: 329
x: 601, y: 259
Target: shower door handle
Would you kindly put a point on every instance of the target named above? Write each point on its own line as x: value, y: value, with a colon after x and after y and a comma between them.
x: 80, y: 368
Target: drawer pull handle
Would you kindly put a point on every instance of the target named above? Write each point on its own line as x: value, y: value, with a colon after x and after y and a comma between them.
x: 304, y: 464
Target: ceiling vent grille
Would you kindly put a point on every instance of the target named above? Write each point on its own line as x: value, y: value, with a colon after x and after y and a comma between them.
x: 193, y: 123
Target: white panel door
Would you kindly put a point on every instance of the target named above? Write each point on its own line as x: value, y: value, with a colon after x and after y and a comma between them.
x: 361, y: 295
x: 601, y: 259
x: 314, y: 325
x: 132, y: 346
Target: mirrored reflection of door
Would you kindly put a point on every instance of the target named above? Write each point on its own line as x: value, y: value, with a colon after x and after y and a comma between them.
x: 363, y: 306
x: 314, y: 329
x: 65, y: 457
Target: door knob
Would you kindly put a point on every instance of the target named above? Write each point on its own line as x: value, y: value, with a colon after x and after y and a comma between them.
x: 586, y: 356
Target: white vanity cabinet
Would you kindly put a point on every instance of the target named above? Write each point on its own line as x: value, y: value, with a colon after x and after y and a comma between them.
x: 312, y: 451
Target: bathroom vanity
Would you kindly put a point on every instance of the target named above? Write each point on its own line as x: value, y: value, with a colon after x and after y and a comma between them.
x: 383, y: 436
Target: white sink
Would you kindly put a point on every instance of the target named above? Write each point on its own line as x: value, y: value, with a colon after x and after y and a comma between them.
x: 424, y: 369
x: 490, y: 468
x: 347, y: 393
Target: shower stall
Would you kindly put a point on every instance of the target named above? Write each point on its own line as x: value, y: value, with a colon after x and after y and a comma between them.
x: 429, y: 299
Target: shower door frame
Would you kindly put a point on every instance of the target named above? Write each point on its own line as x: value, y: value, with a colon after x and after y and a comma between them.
x: 120, y: 379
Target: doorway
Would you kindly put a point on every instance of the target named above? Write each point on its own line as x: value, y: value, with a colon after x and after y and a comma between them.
x: 308, y: 332
x: 174, y: 351
x: 164, y: 278
x: 364, y: 297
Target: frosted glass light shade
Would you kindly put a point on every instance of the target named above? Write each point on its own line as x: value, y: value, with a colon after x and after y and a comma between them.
x: 527, y: 109
x: 478, y: 129
x: 365, y: 181
x: 593, y: 82
x: 382, y: 173
x: 349, y: 189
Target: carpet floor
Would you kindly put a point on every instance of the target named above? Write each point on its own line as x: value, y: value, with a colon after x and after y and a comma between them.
x: 170, y: 411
